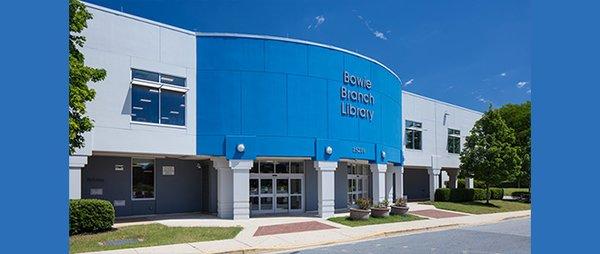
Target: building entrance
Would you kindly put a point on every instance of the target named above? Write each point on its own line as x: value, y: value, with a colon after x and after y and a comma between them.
x: 277, y: 187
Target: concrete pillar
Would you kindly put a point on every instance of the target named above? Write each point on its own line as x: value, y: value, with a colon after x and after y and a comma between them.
x: 326, y: 187
x: 434, y: 181
x: 233, y: 179
x: 389, y: 183
x: 469, y: 183
x: 453, y: 181
x: 76, y: 164
x: 74, y: 183
x: 378, y: 173
x: 399, y: 177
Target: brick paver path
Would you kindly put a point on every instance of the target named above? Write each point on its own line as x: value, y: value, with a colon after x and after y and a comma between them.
x: 436, y: 214
x: 291, y: 228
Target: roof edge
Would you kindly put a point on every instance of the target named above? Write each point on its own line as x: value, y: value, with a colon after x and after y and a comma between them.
x: 238, y: 35
x: 277, y: 38
x: 442, y: 102
x: 138, y: 18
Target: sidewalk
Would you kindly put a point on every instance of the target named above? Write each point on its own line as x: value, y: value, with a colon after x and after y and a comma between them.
x: 246, y: 242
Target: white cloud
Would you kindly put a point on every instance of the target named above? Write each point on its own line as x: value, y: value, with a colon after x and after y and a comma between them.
x: 483, y: 100
x: 409, y: 82
x: 375, y: 32
x: 521, y: 84
x: 318, y: 21
x: 528, y: 91
x: 503, y: 74
x: 380, y: 35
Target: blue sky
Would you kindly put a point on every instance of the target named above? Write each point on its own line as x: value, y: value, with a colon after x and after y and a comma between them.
x: 468, y: 53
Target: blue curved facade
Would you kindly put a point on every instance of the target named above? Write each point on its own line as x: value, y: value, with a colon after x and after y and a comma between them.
x: 287, y: 98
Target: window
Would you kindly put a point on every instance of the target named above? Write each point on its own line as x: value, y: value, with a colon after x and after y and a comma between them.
x: 413, y: 135
x: 142, y: 179
x: 172, y: 108
x: 453, y: 141
x: 157, y: 98
x: 144, y: 104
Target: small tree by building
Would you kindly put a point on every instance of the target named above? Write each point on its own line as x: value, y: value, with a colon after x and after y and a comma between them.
x: 518, y: 118
x: 489, y: 154
x: 79, y: 76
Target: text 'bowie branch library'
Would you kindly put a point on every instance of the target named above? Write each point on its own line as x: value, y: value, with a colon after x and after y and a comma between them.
x: 238, y: 125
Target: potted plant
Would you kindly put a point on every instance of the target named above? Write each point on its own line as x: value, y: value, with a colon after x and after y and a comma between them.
x: 381, y: 209
x: 399, y: 207
x: 362, y: 211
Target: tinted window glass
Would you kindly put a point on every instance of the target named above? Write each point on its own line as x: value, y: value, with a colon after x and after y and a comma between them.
x: 142, y: 185
x: 144, y: 75
x: 172, y: 107
x: 144, y: 104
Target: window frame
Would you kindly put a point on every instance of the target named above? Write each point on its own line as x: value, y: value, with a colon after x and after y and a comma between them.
x: 453, y: 133
x: 160, y: 86
x: 153, y: 182
x: 413, y: 128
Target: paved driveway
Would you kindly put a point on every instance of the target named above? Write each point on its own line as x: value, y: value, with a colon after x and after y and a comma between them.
x: 512, y: 236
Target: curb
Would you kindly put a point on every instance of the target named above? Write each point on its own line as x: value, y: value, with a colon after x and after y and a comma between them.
x: 367, y: 237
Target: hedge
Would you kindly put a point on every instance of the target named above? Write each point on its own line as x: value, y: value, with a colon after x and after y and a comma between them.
x: 464, y: 195
x: 496, y: 193
x: 90, y: 215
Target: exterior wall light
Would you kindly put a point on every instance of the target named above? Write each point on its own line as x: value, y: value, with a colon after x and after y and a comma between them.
x: 383, y: 154
x: 328, y: 150
x: 241, y: 148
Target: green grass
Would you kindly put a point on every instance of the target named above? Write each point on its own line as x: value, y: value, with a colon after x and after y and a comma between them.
x: 480, y: 207
x: 510, y: 191
x: 372, y: 220
x: 152, y: 235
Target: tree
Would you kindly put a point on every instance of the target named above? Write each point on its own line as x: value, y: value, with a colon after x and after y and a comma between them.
x: 79, y: 76
x: 518, y: 118
x: 489, y: 154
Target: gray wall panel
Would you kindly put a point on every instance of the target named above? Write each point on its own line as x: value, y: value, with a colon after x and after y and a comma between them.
x: 341, y: 186
x: 181, y: 192
x: 311, y: 197
x: 416, y: 183
x: 178, y: 193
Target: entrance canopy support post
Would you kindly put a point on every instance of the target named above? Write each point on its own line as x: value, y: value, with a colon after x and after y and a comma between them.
x: 389, y: 183
x: 326, y: 187
x: 399, y: 181
x: 453, y: 181
x: 378, y: 171
x: 434, y: 183
x: 469, y: 183
x: 233, y: 182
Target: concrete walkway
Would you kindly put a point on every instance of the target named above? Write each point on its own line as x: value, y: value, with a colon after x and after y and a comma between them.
x: 246, y: 242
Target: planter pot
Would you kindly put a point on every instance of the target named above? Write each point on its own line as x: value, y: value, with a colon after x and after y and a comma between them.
x: 399, y: 210
x: 359, y: 214
x: 380, y: 212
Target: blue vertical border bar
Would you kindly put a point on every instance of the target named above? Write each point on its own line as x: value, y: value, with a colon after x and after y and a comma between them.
x: 34, y: 128
x: 565, y: 127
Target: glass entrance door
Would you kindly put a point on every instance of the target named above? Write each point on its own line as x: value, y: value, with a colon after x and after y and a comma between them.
x: 277, y: 187
x: 358, y: 182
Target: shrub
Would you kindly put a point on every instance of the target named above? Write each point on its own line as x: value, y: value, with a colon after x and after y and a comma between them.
x: 442, y: 194
x: 363, y: 203
x: 519, y: 194
x: 90, y: 215
x: 479, y: 194
x: 496, y: 193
